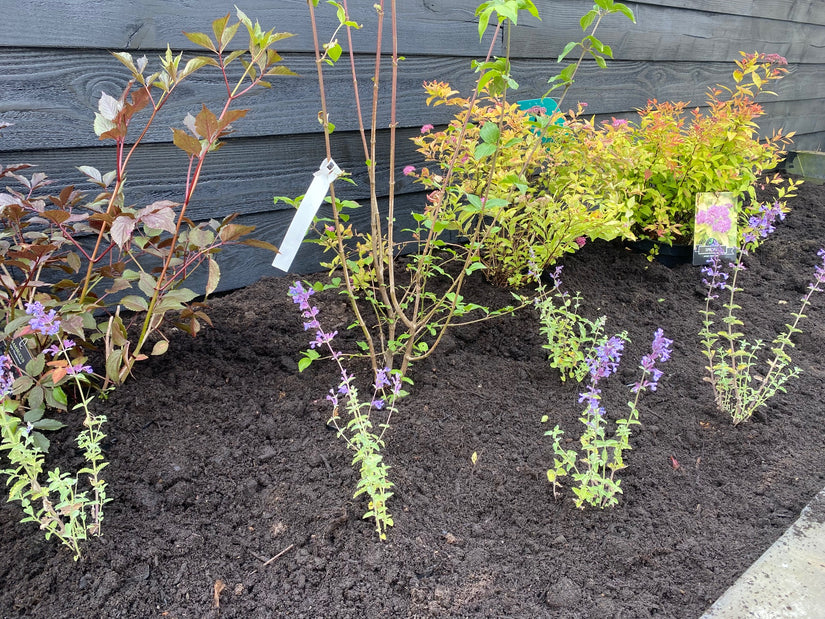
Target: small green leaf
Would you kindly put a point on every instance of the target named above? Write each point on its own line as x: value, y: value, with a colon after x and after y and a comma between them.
x: 214, y: 276
x: 48, y: 424
x: 36, y: 365
x: 60, y: 396
x: 483, y: 150
x: 134, y: 303
x: 567, y: 49
x: 201, y: 39
x: 490, y: 133
x: 34, y: 415
x: 113, y: 362
x: 40, y: 442
x: 147, y: 283
x: 333, y: 51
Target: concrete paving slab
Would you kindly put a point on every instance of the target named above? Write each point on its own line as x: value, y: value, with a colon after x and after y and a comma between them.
x: 788, y: 580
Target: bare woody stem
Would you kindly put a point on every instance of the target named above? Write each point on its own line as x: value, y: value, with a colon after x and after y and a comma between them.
x: 335, y: 214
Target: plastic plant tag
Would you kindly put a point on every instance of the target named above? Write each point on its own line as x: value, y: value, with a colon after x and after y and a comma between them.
x: 547, y: 105
x: 19, y: 352
x: 714, y: 227
x: 310, y: 203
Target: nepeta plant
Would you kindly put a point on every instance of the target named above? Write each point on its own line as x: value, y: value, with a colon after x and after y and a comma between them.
x: 593, y: 468
x: 572, y: 338
x: 358, y: 430
x: 742, y: 381
x: 68, y: 507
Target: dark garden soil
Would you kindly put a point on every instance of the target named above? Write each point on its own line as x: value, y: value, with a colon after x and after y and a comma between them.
x: 221, y: 461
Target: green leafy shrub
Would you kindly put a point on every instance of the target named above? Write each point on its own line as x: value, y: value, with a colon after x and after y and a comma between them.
x: 662, y: 160
x: 536, y: 199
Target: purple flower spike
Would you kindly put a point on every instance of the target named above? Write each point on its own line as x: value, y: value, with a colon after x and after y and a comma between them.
x: 661, y: 345
x: 593, y: 398
x: 396, y: 384
x: 556, y: 276
x: 6, y: 376
x: 819, y: 270
x: 764, y: 224
x: 715, y: 277
x: 79, y: 368
x: 42, y: 321
x: 301, y: 296
x: 606, y: 360
x: 381, y: 379
x: 659, y: 351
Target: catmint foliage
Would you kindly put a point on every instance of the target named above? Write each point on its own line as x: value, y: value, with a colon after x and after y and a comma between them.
x: 593, y: 467
x: 572, y: 338
x: 741, y: 379
x: 358, y: 432
x: 54, y: 499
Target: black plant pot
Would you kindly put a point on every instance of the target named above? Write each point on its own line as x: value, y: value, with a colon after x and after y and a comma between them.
x: 669, y: 255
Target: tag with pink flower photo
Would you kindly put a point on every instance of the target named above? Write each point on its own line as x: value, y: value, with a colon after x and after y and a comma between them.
x: 715, y: 227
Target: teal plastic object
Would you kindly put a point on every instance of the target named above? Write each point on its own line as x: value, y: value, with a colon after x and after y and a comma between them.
x: 549, y: 105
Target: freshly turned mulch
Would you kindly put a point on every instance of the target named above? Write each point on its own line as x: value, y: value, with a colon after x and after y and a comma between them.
x: 220, y: 460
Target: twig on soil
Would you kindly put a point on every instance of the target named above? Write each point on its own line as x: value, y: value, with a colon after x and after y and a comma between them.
x: 279, y: 555
x: 259, y: 557
x: 268, y: 561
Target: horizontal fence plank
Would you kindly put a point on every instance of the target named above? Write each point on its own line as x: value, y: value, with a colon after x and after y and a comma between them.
x: 243, y: 176
x: 668, y: 33
x: 247, y: 172
x: 800, y: 11
x: 811, y: 141
x: 51, y: 96
x: 625, y: 86
x: 443, y: 27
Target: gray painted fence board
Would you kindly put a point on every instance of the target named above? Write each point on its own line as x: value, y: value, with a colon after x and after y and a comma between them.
x: 246, y: 174
x: 625, y: 86
x: 444, y: 27
x: 811, y: 11
x: 51, y: 96
x: 666, y: 33
x: 242, y: 177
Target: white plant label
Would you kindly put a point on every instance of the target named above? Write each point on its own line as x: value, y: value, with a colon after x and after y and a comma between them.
x: 310, y: 203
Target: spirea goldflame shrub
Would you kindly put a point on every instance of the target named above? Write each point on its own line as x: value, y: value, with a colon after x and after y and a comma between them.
x: 546, y: 180
x: 671, y: 153
x: 538, y: 197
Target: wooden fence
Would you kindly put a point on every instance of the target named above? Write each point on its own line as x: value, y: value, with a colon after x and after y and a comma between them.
x: 55, y: 61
